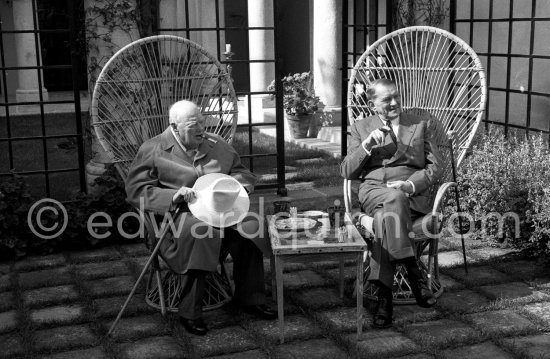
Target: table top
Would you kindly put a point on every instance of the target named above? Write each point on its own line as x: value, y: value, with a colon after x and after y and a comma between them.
x: 321, y: 238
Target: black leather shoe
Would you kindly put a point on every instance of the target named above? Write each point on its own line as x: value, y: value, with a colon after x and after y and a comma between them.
x: 384, y: 310
x: 419, y: 287
x: 261, y: 311
x: 194, y: 326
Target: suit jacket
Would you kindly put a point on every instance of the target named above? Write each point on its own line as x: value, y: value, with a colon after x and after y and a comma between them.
x: 415, y: 158
x: 159, y: 169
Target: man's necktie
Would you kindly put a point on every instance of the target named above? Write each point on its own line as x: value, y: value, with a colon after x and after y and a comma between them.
x: 392, y: 134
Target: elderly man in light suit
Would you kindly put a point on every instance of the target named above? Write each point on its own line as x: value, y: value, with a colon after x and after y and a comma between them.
x: 162, y: 175
x: 393, y: 155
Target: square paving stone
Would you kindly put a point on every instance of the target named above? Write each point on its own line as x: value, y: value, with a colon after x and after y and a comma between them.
x: 521, y: 269
x: 343, y: 319
x: 102, y: 269
x: 381, y: 344
x: 250, y: 354
x: 5, y: 282
x: 413, y: 313
x: 536, y: 346
x: 501, y: 322
x: 441, y: 333
x: 316, y: 298
x: 139, y: 327
x: 310, y: 349
x: 539, y: 310
x: 62, y: 314
x: 153, y: 348
x: 462, y: 301
x: 350, y: 273
x: 34, y: 263
x: 68, y: 337
x: 295, y: 327
x: 92, y: 353
x: 4, y: 269
x: 110, y: 286
x: 8, y: 321
x: 479, y: 351
x: 220, y: 318
x: 10, y: 344
x: 477, y: 276
x: 62, y: 293
x: 134, y: 250
x: 96, y: 255
x: 513, y: 290
x: 108, y: 307
x: 6, y: 301
x: 449, y: 284
x: 45, y: 278
x: 225, y: 340
x: 301, y: 279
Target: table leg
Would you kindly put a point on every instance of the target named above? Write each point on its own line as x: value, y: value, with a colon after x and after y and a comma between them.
x: 359, y: 294
x: 273, y: 274
x: 341, y: 278
x: 280, y: 304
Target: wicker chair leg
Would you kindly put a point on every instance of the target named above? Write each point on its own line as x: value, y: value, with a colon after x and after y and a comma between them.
x: 161, y: 293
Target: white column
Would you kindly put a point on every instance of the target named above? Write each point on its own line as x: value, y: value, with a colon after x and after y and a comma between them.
x: 26, y: 55
x: 261, y: 47
x: 327, y: 48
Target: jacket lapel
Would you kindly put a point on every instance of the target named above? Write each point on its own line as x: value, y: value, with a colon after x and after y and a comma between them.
x: 405, y: 135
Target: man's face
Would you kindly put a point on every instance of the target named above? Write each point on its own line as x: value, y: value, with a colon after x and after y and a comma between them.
x: 190, y: 127
x: 386, y: 102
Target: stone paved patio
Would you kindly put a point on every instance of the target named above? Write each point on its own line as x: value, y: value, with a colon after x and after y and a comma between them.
x: 61, y: 306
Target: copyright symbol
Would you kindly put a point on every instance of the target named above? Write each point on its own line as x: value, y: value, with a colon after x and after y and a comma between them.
x: 43, y: 208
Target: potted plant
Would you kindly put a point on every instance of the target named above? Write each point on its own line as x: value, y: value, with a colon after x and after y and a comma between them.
x: 299, y: 102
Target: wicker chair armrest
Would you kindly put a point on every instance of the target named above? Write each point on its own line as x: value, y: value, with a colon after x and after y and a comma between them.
x: 441, y: 192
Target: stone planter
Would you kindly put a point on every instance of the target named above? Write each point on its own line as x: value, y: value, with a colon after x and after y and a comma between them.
x: 298, y: 125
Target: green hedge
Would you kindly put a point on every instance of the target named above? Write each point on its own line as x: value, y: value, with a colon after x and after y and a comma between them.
x: 503, y: 175
x: 17, y: 239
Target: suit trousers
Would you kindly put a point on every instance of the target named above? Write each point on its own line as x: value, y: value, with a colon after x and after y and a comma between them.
x: 248, y: 275
x: 392, y: 242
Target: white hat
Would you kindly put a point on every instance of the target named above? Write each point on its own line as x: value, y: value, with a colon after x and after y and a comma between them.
x: 221, y: 201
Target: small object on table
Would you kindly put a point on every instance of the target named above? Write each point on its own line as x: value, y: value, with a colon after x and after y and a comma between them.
x: 281, y: 206
x: 342, y: 234
x: 293, y: 212
x: 336, y: 215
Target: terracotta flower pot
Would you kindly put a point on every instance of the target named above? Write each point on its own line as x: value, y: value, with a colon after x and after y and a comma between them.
x: 299, y: 125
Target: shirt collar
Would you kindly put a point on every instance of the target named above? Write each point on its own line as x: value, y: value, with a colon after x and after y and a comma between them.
x: 394, y: 122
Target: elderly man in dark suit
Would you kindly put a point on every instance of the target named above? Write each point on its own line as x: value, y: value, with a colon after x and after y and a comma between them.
x: 162, y: 176
x: 393, y: 155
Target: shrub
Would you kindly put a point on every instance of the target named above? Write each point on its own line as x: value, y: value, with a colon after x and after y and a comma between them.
x: 503, y: 175
x: 15, y: 201
x: 17, y: 240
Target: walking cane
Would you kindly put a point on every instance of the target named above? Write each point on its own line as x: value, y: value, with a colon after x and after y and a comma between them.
x: 163, y: 234
x: 450, y: 135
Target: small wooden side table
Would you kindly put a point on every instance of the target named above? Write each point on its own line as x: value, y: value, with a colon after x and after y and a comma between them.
x: 320, y: 243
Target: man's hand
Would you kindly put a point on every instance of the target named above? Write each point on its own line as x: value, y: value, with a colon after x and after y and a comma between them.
x: 184, y: 194
x: 404, y: 186
x: 376, y: 137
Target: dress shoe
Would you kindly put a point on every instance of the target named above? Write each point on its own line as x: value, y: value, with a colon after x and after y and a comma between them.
x: 194, y: 326
x: 419, y: 286
x: 384, y: 309
x: 261, y: 311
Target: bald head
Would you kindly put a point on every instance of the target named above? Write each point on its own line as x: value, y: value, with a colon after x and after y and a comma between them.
x: 188, y: 123
x: 181, y: 111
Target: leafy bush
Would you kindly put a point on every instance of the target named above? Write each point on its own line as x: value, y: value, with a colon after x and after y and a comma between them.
x: 503, y: 176
x: 17, y: 240
x: 15, y: 201
x: 298, y: 94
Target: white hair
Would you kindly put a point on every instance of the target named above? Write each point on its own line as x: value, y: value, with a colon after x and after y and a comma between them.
x: 181, y: 110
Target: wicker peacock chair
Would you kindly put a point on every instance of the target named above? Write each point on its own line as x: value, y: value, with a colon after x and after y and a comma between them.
x: 130, y: 105
x: 439, y: 77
